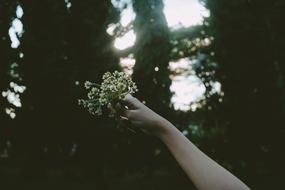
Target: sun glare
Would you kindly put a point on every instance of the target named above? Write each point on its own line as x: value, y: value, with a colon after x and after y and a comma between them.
x: 125, y: 41
x: 184, y: 13
x: 187, y: 88
x: 178, y: 14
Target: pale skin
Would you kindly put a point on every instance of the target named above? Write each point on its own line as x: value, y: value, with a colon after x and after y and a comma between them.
x: 205, y: 173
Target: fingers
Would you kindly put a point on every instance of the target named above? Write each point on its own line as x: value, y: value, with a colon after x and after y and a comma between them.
x: 124, y: 112
x: 131, y: 102
x: 120, y: 110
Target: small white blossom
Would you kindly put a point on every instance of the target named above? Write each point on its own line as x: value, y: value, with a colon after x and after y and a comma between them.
x: 88, y: 84
x: 115, y: 87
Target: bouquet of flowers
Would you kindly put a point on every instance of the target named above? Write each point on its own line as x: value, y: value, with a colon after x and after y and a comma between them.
x: 115, y: 87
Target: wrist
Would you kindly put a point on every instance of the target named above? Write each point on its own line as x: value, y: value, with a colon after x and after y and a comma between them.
x: 165, y: 128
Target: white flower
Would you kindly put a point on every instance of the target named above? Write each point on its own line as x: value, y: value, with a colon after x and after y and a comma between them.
x: 115, y: 86
x: 88, y: 85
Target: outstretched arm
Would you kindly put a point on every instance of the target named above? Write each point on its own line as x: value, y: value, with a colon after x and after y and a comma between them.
x: 205, y: 173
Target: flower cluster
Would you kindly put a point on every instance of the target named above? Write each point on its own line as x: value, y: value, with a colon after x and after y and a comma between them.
x: 115, y: 87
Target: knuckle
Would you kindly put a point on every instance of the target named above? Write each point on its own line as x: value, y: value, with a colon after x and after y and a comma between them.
x: 129, y: 114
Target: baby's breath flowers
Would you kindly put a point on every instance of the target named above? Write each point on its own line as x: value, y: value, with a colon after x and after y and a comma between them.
x: 115, y: 87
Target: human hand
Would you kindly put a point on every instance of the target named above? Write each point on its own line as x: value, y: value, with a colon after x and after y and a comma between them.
x: 141, y: 116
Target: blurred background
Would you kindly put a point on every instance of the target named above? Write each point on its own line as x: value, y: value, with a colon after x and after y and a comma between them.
x: 214, y: 68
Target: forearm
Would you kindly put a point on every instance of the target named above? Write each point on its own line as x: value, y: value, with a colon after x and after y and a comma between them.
x: 205, y: 173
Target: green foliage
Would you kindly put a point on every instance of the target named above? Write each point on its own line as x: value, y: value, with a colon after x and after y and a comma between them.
x: 184, y: 42
x: 247, y: 48
x: 7, y: 55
